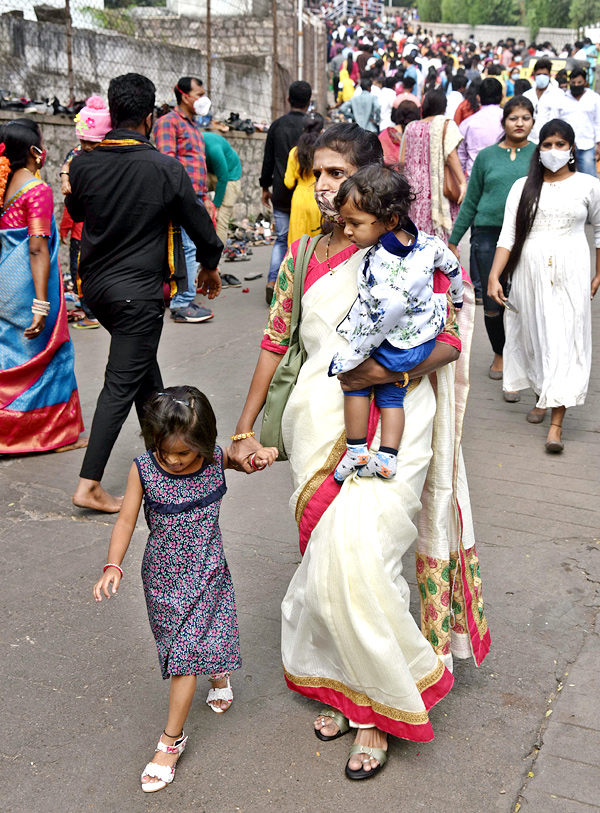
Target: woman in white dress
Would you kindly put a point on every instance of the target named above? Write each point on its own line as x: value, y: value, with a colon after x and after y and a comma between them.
x: 544, y: 251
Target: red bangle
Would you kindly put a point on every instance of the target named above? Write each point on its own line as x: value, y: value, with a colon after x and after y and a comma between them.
x: 115, y: 566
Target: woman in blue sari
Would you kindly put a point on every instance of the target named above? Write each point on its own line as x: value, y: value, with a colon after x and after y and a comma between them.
x: 39, y: 402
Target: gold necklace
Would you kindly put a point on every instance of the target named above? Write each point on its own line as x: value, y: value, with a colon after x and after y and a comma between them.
x: 327, y: 253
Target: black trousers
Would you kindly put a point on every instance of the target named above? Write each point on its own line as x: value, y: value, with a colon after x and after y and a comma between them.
x: 483, y: 248
x: 132, y: 373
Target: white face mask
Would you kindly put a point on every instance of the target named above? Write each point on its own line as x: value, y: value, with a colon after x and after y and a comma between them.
x: 202, y: 106
x: 555, y: 159
x: 542, y: 80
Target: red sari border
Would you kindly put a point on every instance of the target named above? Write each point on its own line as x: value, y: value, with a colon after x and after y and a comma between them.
x: 52, y: 427
x: 479, y: 644
x: 328, y: 490
x: 366, y: 715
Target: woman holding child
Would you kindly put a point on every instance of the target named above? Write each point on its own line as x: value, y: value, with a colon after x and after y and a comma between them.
x: 348, y: 638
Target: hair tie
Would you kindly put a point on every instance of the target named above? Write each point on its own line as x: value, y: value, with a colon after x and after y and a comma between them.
x: 2, y: 148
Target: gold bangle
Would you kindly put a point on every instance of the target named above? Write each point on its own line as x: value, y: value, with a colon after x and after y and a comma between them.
x: 405, y: 382
x: 243, y: 435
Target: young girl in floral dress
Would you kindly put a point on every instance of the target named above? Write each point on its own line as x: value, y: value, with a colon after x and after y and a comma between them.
x: 187, y: 583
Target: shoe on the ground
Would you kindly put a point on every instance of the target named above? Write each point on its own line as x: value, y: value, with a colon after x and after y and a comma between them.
x: 511, y: 397
x: 230, y: 281
x: 376, y: 753
x: 192, y: 313
x: 86, y: 324
x: 269, y: 292
x: 495, y: 375
x: 163, y: 774
x: 226, y: 693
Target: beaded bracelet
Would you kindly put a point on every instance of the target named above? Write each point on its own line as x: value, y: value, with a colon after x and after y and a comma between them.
x: 243, y: 435
x: 115, y: 566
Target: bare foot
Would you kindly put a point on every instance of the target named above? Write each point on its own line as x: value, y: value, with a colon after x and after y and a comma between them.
x: 326, y: 725
x: 162, y: 759
x: 220, y: 704
x: 90, y: 494
x: 80, y: 443
x: 370, y: 738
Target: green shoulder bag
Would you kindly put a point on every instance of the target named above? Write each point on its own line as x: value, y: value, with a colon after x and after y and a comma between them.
x: 286, y: 374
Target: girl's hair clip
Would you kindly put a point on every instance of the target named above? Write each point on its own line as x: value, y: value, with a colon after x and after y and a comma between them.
x: 2, y: 148
x: 175, y: 400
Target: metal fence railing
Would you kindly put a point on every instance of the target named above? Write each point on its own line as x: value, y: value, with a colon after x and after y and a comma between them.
x: 245, y: 51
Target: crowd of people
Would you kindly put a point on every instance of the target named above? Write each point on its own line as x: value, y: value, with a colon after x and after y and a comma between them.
x: 367, y: 297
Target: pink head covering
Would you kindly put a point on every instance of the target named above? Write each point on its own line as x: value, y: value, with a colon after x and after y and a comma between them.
x: 92, y: 123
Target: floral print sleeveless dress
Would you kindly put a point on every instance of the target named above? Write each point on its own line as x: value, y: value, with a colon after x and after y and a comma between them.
x: 187, y: 583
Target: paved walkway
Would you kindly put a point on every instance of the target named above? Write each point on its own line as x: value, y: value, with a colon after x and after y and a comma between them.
x: 83, y: 699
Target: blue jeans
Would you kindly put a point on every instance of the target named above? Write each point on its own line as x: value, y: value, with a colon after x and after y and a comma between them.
x: 586, y: 161
x: 282, y: 225
x: 182, y: 300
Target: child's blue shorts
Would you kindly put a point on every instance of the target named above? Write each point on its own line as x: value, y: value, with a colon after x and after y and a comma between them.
x: 393, y: 358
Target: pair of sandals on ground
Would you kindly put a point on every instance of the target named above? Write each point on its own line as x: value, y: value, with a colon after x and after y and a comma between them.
x: 157, y: 775
x: 363, y: 762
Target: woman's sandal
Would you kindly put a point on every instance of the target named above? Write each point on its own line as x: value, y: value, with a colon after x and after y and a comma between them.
x: 536, y: 417
x: 226, y: 693
x: 376, y: 753
x: 340, y: 721
x: 495, y: 375
x: 555, y: 446
x: 163, y: 773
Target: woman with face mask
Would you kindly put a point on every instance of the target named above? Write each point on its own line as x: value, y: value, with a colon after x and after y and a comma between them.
x: 348, y: 638
x: 39, y: 402
x: 495, y: 170
x: 544, y: 253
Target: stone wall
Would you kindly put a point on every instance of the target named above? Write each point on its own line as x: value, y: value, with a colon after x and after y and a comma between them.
x: 33, y: 61
x: 59, y: 138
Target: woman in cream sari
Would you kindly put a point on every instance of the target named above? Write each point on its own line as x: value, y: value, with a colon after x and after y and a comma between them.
x: 348, y: 638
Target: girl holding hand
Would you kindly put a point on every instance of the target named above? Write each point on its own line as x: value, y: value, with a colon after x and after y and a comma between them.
x: 187, y: 583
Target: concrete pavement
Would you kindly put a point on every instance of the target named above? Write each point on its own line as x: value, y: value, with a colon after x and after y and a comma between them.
x: 83, y: 701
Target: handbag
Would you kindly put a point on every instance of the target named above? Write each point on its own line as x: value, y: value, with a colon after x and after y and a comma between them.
x: 451, y: 185
x: 286, y: 374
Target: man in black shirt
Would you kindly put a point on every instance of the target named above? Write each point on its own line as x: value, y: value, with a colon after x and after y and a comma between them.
x: 282, y: 136
x: 132, y: 200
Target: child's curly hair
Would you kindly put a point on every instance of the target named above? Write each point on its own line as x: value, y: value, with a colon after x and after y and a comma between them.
x: 183, y: 412
x: 380, y: 191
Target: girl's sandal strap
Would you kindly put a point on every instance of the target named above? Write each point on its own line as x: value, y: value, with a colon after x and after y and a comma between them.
x: 164, y: 773
x: 178, y: 748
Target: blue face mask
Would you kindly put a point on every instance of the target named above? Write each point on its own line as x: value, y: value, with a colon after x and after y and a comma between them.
x: 542, y: 80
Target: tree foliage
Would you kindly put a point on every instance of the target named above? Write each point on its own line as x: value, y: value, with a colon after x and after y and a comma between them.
x: 430, y: 10
x: 584, y: 12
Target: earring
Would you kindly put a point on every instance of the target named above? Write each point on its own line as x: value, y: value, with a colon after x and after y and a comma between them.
x: 572, y: 159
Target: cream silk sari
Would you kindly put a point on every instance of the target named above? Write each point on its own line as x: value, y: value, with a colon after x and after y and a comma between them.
x: 348, y: 637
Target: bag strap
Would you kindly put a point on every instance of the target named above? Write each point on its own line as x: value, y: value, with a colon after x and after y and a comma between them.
x: 305, y: 251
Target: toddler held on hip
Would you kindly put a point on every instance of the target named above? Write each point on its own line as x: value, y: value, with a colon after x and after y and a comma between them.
x: 187, y: 583
x: 396, y: 316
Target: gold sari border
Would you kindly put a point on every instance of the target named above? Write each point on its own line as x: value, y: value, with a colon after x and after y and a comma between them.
x: 361, y: 699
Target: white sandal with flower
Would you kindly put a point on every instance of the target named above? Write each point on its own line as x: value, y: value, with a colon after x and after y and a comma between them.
x: 225, y: 693
x: 164, y: 774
